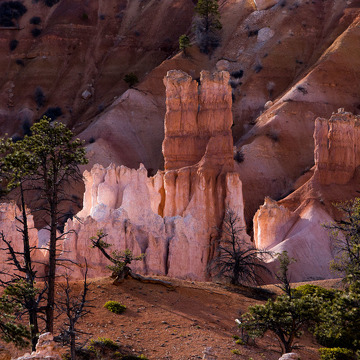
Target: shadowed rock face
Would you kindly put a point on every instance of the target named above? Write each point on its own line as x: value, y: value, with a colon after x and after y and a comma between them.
x: 295, y: 224
x: 171, y: 217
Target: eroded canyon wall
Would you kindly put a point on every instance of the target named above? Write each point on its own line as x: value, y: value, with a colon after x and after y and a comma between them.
x: 296, y: 223
x: 171, y: 217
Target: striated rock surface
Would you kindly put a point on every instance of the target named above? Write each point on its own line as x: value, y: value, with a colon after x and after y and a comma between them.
x: 337, y: 151
x: 195, y: 116
x: 295, y: 224
x: 173, y: 216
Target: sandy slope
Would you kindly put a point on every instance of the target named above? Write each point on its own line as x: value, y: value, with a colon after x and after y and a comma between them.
x: 179, y: 324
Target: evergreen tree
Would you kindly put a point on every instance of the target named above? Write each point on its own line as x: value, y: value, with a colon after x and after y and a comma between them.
x: 44, y: 164
x: 207, y: 25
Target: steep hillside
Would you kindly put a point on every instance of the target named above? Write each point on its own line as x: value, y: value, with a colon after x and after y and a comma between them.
x: 178, y: 324
x: 301, y: 55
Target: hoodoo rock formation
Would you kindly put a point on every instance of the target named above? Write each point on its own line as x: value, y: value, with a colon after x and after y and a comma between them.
x: 295, y: 224
x: 171, y: 217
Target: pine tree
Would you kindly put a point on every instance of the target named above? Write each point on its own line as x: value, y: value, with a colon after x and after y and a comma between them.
x: 42, y: 164
x: 207, y: 25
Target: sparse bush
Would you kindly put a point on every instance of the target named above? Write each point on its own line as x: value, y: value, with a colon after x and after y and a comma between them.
x: 53, y: 113
x: 85, y: 16
x: 13, y: 44
x: 239, y: 156
x: 302, y: 90
x: 106, y: 349
x: 236, y: 259
x: 36, y: 32
x: 184, y: 42
x: 115, y: 307
x: 104, y: 343
x: 35, y: 20
x: 39, y: 97
x: 258, y: 67
x: 101, y: 108
x: 51, y: 3
x: 234, y: 83
x: 91, y: 140
x: 207, y: 25
x: 10, y: 10
x: 336, y: 354
x: 19, y: 62
x: 273, y: 135
x: 236, y: 352
x: 26, y: 126
x: 253, y: 33
x: 237, y: 74
x: 131, y: 79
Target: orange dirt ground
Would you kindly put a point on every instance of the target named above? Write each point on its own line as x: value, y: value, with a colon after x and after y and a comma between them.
x: 179, y: 324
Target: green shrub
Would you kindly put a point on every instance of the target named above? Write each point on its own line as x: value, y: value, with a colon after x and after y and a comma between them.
x: 184, y: 42
x: 35, y: 20
x: 13, y: 44
x: 131, y: 79
x: 115, y: 307
x: 105, y: 349
x: 51, y: 3
x: 53, y: 113
x: 104, y: 343
x: 336, y: 354
x: 36, y: 32
x: 236, y: 352
x: 9, y: 11
x: 314, y: 290
x: 240, y: 342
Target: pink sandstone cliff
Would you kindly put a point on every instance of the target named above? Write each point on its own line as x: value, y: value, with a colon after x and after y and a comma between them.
x: 295, y: 224
x: 170, y: 217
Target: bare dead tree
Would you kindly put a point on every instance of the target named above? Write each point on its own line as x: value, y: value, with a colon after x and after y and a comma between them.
x: 74, y: 307
x: 345, y: 236
x: 236, y: 259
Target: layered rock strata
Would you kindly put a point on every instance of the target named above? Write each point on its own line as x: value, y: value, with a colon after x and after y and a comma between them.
x: 337, y: 150
x: 194, y: 115
x: 295, y: 224
x: 171, y: 217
